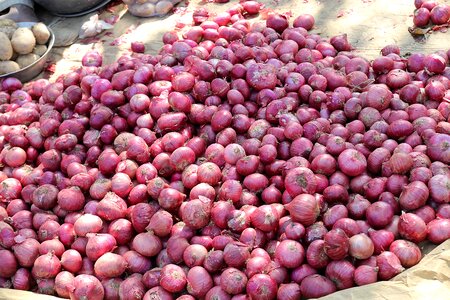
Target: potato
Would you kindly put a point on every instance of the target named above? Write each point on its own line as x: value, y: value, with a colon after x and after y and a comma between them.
x: 40, y: 50
x: 41, y: 33
x: 6, y: 50
x: 8, y: 66
x: 26, y: 59
x: 163, y: 7
x: 8, y: 27
x: 23, y: 40
x: 142, y: 10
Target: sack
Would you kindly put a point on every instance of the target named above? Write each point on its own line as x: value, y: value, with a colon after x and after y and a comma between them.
x: 150, y: 8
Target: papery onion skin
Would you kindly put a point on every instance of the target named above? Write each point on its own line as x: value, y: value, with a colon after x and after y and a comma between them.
x: 336, y: 244
x: 316, y: 286
x: 412, y: 227
x: 341, y: 272
x: 365, y: 275
x: 408, y: 253
x: 438, y: 230
x: 388, y: 265
x: 361, y: 246
x: 304, y: 209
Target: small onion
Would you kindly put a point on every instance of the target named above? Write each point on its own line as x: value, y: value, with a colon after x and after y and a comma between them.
x: 407, y: 252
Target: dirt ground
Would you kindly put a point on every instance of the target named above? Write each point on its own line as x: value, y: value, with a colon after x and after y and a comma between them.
x: 370, y: 25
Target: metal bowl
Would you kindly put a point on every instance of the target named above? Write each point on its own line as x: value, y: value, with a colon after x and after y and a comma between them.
x: 28, y: 73
x: 71, y: 8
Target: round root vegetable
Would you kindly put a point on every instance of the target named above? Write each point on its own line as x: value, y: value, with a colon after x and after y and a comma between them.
x: 242, y: 160
x: 23, y: 40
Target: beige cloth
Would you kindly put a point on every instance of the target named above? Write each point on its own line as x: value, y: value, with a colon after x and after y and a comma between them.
x: 5, y: 4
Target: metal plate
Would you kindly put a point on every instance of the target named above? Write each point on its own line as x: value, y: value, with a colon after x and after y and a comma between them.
x: 28, y: 73
x: 74, y: 15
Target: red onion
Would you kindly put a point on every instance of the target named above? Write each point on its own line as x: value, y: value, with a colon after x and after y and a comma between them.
x: 290, y: 254
x: 136, y: 262
x: 158, y: 293
x: 381, y: 239
x: 438, y: 230
x: 132, y: 287
x: 87, y: 224
x: 379, y: 214
x: 26, y: 252
x: 361, y: 246
x: 261, y: 286
x: 389, y: 265
x: 146, y: 244
x: 233, y: 281
x: 316, y: 256
x: 194, y: 255
x: 304, y: 209
x: 365, y: 275
x: 173, y: 278
x: 265, y: 218
x: 110, y: 265
x: 235, y: 254
x: 352, y: 162
x: 336, y: 244
x: 407, y: 252
x: 10, y: 263
x: 341, y: 273
x: 414, y: 195
x: 300, y: 180
x: 71, y: 261
x: 316, y: 286
x: 111, y: 287
x: 99, y: 244
x: 87, y: 287
x: 63, y: 283
x: 22, y: 279
x: 438, y: 187
x: 46, y: 266
x: 412, y: 227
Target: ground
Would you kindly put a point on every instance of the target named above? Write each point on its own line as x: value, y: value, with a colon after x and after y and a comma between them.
x: 370, y: 25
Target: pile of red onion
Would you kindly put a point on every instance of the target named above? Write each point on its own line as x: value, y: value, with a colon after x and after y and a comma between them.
x: 244, y: 160
x: 429, y: 12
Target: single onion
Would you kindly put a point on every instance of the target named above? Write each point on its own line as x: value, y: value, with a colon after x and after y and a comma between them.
x: 388, y: 265
x: 407, y: 252
x: 336, y: 244
x: 361, y: 246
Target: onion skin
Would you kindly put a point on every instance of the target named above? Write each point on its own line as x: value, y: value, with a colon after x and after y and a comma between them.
x: 412, y: 228
x: 365, y: 275
x: 110, y: 265
x: 173, y: 278
x: 261, y: 286
x: 408, y: 253
x: 304, y: 209
x: 389, y: 265
x: 414, y: 195
x: 316, y: 286
x: 46, y: 266
x: 381, y: 239
x: 341, y: 273
x: 361, y: 246
x: 233, y: 281
x: 336, y: 244
x: 438, y: 230
x: 294, y: 257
